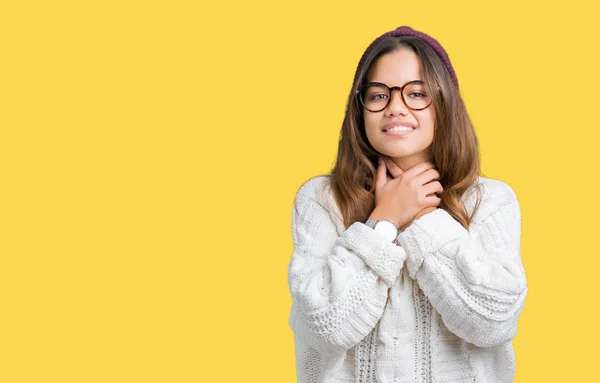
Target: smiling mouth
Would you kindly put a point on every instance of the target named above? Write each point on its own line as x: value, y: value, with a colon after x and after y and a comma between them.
x: 399, y: 129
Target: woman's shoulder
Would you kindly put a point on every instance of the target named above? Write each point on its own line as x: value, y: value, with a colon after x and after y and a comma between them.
x: 317, y: 187
x: 492, y: 194
x: 497, y: 191
x: 316, y: 192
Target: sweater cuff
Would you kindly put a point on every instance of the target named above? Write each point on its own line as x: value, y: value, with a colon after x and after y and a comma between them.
x: 428, y: 234
x: 384, y: 257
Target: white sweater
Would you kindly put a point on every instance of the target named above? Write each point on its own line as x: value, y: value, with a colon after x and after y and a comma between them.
x: 439, y: 305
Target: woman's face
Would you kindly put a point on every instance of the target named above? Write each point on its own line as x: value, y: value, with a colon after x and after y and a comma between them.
x: 409, y: 148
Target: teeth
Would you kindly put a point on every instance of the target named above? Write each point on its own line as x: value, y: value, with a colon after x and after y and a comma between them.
x: 399, y: 129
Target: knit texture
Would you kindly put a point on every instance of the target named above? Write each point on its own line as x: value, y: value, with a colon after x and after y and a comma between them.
x: 440, y: 304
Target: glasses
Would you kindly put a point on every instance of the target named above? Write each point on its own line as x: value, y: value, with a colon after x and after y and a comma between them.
x: 376, y: 96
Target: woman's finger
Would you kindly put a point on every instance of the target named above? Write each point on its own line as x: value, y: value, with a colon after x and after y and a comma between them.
x: 381, y: 174
x: 395, y: 170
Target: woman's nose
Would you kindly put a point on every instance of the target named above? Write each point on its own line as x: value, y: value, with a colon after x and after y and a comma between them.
x: 396, y: 105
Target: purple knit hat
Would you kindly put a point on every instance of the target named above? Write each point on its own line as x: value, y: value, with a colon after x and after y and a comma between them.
x: 408, y: 31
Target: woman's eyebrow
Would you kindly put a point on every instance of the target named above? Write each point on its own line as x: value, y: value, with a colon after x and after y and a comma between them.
x: 381, y: 82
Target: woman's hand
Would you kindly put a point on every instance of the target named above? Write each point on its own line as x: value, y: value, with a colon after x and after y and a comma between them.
x: 396, y: 171
x: 408, y: 195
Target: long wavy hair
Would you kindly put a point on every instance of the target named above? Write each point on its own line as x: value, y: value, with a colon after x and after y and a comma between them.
x: 454, y: 149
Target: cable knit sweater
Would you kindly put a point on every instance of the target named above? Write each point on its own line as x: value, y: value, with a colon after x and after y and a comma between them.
x: 438, y: 305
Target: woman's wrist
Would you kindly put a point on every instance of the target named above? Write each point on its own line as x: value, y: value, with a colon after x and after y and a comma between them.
x: 379, y: 215
x: 419, y: 215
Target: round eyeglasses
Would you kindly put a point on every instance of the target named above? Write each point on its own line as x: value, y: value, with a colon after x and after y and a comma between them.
x: 376, y: 96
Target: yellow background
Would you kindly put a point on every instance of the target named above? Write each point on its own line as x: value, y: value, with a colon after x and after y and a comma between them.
x: 150, y: 152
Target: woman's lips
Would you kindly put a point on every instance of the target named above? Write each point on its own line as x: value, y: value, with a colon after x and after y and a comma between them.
x: 397, y: 123
x: 398, y: 132
x: 398, y: 128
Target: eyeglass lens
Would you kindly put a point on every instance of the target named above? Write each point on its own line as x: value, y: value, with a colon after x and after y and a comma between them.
x: 376, y: 97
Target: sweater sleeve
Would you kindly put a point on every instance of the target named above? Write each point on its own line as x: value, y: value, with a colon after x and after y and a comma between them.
x: 475, y: 279
x: 339, y: 283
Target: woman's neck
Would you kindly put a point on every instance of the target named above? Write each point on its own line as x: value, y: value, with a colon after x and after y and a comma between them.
x: 406, y: 163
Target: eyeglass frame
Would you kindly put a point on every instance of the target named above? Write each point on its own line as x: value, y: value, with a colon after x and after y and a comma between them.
x: 391, y: 90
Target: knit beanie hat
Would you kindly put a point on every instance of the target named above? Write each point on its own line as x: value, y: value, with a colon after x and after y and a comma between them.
x: 433, y: 43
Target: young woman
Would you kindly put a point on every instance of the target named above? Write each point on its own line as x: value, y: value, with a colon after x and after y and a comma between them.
x: 406, y: 263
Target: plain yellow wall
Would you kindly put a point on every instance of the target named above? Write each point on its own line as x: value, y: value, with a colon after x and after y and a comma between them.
x: 150, y: 152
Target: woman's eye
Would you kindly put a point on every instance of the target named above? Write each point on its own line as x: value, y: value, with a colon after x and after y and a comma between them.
x: 417, y: 95
x: 380, y: 96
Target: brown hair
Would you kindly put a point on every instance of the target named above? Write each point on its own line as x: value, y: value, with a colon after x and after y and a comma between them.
x: 454, y: 148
